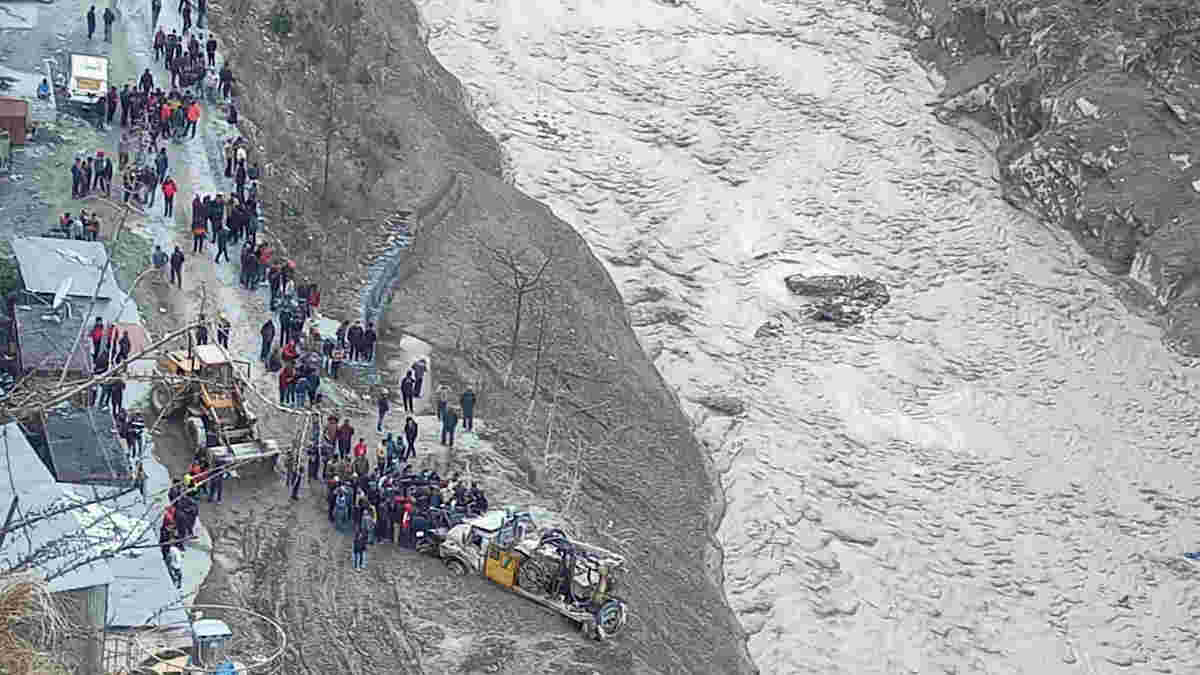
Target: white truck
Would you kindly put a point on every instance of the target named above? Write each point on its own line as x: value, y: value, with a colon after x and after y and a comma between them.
x: 88, y: 79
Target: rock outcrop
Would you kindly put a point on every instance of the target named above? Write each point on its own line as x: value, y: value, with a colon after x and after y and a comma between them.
x: 844, y: 299
x: 1097, y: 106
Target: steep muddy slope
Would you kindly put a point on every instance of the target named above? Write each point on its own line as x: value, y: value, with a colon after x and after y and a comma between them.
x: 604, y: 446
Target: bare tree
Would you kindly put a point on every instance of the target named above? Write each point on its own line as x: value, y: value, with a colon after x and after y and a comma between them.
x: 522, y: 271
x: 543, y: 315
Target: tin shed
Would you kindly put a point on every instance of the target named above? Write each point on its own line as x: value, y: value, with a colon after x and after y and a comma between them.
x: 14, y: 118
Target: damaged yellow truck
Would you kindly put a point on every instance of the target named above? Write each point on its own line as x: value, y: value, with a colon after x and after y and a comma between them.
x: 571, y: 578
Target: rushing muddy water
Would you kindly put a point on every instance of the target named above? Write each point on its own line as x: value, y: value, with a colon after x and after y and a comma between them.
x: 995, y: 473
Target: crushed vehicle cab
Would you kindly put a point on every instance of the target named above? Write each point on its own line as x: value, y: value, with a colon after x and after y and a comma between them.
x: 543, y: 565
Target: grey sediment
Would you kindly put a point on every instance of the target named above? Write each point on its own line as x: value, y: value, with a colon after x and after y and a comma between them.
x: 646, y: 485
x: 1094, y: 110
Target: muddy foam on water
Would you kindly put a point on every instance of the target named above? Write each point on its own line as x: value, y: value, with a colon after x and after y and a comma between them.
x: 994, y: 473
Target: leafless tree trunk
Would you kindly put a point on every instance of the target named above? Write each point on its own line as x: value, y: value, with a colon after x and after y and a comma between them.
x: 330, y: 130
x: 537, y: 359
x: 520, y: 276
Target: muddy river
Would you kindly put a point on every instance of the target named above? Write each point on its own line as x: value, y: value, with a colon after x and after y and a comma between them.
x: 995, y: 473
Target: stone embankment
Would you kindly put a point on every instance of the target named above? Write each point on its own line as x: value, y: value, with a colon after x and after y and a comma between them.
x: 1096, y: 108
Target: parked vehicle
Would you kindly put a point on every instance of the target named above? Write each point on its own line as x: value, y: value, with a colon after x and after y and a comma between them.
x: 571, y: 578
x: 88, y: 80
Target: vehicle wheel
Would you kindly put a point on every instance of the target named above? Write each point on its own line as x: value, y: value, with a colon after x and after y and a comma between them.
x: 610, y: 619
x: 535, y: 576
x: 161, y: 397
x: 456, y: 567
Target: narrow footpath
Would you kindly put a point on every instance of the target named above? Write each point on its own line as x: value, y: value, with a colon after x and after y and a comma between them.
x: 280, y: 557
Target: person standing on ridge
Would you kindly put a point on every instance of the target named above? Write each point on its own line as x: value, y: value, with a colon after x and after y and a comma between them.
x: 383, y: 405
x: 109, y: 18
x: 268, y: 338
x: 468, y: 408
x: 177, y: 267
x: 91, y: 22
x: 406, y: 391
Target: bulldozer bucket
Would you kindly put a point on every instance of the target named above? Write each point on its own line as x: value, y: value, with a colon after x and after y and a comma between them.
x: 262, y: 452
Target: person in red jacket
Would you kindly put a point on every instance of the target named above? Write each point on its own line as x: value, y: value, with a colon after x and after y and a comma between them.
x: 290, y: 352
x: 360, y: 448
x: 169, y: 189
x: 97, y: 336
x: 287, y: 381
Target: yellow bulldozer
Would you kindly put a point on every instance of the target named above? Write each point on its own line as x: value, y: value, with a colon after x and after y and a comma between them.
x: 210, y: 387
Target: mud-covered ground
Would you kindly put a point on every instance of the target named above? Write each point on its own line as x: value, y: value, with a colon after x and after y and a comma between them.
x: 1096, y: 107
x: 602, y: 450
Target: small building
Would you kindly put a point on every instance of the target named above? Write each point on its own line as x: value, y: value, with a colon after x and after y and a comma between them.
x: 54, y: 548
x: 60, y: 278
x: 15, y: 118
x: 79, y: 445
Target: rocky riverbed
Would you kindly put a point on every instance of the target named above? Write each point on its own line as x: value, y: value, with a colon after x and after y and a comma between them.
x: 1095, y: 107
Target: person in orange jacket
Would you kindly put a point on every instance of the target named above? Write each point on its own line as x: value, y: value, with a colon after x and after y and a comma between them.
x: 193, y: 116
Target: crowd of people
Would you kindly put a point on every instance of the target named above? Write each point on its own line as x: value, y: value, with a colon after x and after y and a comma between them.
x: 377, y: 496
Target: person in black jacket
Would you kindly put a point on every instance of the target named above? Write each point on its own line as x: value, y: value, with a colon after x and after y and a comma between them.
x: 202, y: 332
x: 383, y: 405
x: 117, y: 396
x: 410, y: 435
x: 268, y: 338
x: 91, y: 22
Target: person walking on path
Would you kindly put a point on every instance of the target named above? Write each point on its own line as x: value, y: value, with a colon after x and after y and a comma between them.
x: 383, y: 405
x: 268, y: 338
x: 168, y: 189
x: 406, y: 391
x: 91, y: 22
x: 159, y: 259
x: 177, y: 267
x: 286, y: 376
x: 360, y: 549
x: 116, y: 396
x: 161, y: 164
x: 468, y: 408
x: 186, y: 13
x: 222, y: 236
x: 355, y: 337
x: 418, y: 370
x: 211, y: 46
x: 109, y: 18
x: 199, y: 232
x: 193, y: 118
x: 202, y: 331
x: 216, y: 482
x: 410, y: 435
x: 345, y: 436
x: 368, y: 343
x: 449, y: 422
x: 443, y: 400
x: 223, y: 329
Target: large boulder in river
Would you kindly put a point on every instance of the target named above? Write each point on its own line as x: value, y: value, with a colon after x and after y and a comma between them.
x: 844, y: 299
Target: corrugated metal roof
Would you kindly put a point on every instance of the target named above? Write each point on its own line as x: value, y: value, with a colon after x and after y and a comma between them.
x: 45, y: 262
x: 46, y: 344
x: 55, y: 543
x: 83, y: 446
